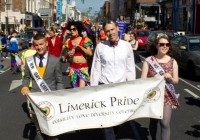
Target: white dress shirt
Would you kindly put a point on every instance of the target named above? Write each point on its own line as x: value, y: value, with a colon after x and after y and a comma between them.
x: 112, y: 64
x: 44, y: 60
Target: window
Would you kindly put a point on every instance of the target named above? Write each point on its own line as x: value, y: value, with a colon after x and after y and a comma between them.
x: 8, y: 4
x: 194, y: 44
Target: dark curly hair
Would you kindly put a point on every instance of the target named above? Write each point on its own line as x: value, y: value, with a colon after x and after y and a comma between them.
x: 134, y: 33
x: 77, y: 24
x: 152, y: 48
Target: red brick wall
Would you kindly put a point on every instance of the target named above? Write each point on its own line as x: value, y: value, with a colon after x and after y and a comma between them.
x: 18, y: 4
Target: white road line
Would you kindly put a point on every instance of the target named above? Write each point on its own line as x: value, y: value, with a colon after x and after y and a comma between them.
x: 142, y: 57
x: 190, y: 84
x: 138, y: 68
x: 190, y: 92
x: 5, y: 71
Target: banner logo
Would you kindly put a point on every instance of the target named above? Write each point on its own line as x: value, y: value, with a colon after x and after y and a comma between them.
x: 46, y: 110
x: 152, y: 95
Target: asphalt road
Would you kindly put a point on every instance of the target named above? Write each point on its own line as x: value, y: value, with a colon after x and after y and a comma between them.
x: 185, y: 122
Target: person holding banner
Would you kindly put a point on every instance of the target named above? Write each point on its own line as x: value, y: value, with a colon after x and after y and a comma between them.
x: 113, y: 62
x: 161, y: 64
x: 45, y: 72
x: 77, y: 48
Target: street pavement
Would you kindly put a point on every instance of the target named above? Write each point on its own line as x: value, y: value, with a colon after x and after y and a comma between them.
x: 15, y: 123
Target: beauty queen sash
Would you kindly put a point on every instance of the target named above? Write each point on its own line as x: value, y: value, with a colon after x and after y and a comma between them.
x: 159, y: 70
x: 34, y: 72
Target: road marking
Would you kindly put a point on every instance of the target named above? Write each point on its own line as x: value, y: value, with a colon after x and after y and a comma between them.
x: 142, y: 57
x: 5, y: 71
x: 138, y: 68
x: 189, y: 84
x: 191, y: 93
x: 15, y: 84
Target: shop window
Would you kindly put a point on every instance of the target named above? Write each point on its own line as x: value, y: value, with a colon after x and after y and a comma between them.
x: 9, y: 5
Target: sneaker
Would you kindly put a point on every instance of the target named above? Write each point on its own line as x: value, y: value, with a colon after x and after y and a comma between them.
x: 2, y: 71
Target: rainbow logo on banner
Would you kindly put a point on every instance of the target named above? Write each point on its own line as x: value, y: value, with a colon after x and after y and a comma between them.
x: 45, y: 110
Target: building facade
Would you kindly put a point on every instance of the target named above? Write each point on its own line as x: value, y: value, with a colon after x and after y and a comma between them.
x: 197, y: 19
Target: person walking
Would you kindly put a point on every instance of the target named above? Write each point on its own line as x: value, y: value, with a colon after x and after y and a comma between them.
x: 13, y: 48
x: 54, y: 43
x: 113, y: 62
x: 77, y: 48
x: 1, y: 70
x: 122, y: 25
x: 160, y: 63
x: 47, y: 68
x: 4, y: 46
x: 134, y: 45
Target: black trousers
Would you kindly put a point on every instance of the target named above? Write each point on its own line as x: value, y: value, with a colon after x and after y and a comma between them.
x: 110, y: 132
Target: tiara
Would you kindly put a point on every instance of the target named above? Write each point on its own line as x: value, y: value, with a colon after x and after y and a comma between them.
x: 161, y: 35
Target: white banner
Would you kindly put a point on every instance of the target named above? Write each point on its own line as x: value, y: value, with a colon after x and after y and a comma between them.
x: 97, y: 107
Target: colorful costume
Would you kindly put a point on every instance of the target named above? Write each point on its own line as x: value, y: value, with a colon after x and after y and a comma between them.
x: 78, y: 70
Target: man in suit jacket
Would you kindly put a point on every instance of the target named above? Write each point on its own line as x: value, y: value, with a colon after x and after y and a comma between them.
x: 49, y: 69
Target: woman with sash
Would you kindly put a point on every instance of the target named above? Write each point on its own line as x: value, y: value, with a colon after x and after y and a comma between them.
x: 77, y: 48
x: 161, y: 64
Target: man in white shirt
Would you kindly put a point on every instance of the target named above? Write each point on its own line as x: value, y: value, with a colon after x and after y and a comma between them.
x: 113, y: 62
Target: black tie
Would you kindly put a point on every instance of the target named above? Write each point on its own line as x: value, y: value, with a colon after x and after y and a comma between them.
x: 41, y: 63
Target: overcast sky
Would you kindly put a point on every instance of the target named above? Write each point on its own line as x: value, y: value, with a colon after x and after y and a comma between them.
x: 95, y: 4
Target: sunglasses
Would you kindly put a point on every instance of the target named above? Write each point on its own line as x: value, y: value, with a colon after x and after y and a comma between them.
x: 73, y: 29
x: 164, y: 44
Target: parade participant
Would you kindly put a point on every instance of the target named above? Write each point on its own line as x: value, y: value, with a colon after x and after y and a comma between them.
x: 1, y: 70
x: 122, y: 26
x: 87, y: 33
x: 4, y: 45
x: 126, y: 36
x: 47, y: 67
x: 13, y: 48
x: 113, y: 62
x: 54, y: 43
x: 34, y: 33
x: 161, y: 64
x: 134, y: 44
x: 77, y: 49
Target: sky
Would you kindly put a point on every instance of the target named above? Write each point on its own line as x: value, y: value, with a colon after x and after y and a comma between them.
x: 95, y: 4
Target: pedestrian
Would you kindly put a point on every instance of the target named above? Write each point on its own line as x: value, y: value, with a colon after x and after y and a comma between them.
x: 126, y: 35
x: 122, y: 25
x: 48, y: 68
x: 13, y: 48
x: 113, y: 62
x: 34, y: 33
x: 4, y: 46
x: 54, y: 43
x: 134, y: 44
x: 160, y: 63
x: 77, y: 48
x: 1, y: 70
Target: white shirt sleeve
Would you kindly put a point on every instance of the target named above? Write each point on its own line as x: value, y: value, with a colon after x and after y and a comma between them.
x: 131, y: 73
x: 96, y: 67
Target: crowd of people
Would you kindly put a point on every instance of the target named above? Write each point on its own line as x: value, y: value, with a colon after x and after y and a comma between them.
x: 104, y: 56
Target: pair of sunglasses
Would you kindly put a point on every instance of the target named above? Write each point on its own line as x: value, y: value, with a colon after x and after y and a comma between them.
x: 73, y: 29
x: 164, y: 44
